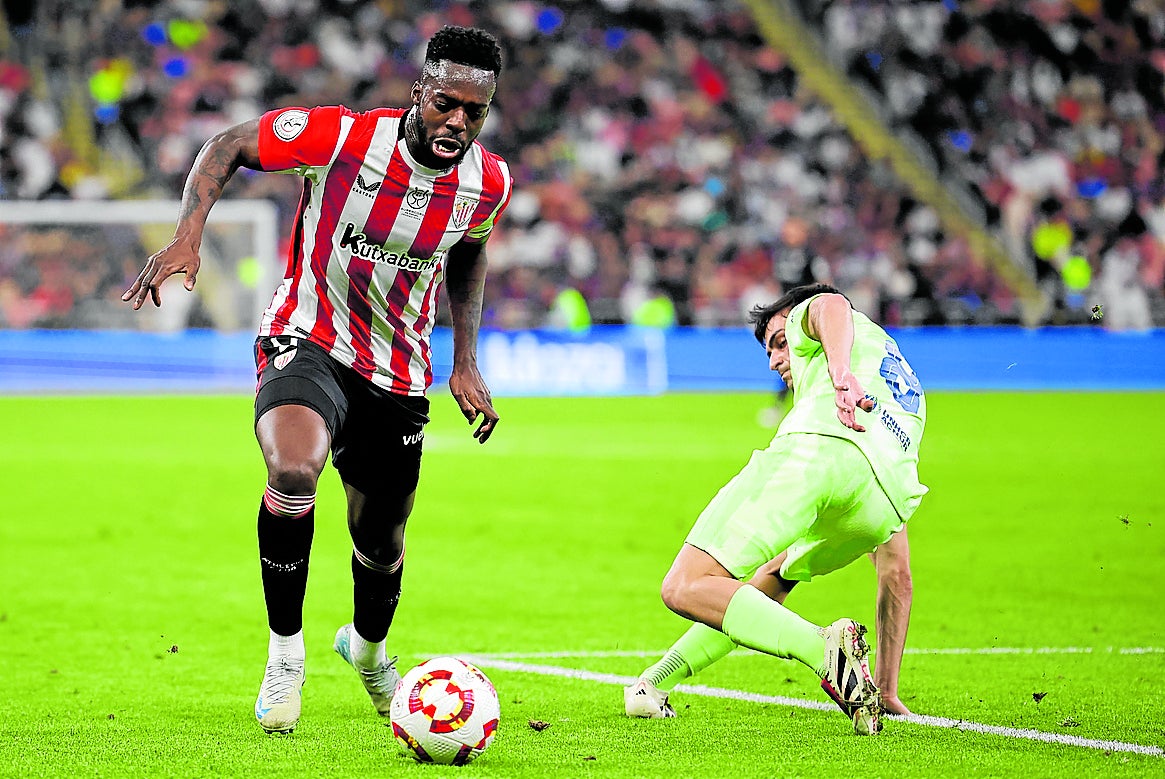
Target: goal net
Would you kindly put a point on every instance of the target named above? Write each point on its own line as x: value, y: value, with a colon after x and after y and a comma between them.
x: 65, y: 265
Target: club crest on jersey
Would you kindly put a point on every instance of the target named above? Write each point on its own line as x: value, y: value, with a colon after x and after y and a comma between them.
x: 417, y: 198
x: 289, y: 124
x: 463, y: 209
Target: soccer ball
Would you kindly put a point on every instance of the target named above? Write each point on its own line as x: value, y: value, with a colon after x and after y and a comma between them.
x: 444, y: 711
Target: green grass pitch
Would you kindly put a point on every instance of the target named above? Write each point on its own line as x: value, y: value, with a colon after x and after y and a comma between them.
x: 132, y: 633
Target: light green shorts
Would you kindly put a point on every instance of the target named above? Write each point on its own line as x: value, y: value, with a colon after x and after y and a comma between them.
x: 813, y: 495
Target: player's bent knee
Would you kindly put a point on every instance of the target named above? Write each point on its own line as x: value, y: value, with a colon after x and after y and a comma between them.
x: 298, y: 478
x: 674, y: 591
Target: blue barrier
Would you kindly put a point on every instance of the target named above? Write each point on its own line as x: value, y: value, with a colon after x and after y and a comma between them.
x: 604, y: 361
x: 950, y: 358
x: 73, y: 361
x: 608, y: 360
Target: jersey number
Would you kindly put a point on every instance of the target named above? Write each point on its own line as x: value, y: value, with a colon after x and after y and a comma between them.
x: 903, y: 384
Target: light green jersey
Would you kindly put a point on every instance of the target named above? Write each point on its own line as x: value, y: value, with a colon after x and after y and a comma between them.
x: 893, y: 429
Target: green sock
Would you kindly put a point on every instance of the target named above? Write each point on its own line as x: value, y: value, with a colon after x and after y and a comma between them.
x: 754, y: 621
x: 695, y: 650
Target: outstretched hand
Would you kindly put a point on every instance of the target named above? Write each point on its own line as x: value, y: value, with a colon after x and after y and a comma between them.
x: 848, y: 397
x: 179, y: 256
x: 471, y: 394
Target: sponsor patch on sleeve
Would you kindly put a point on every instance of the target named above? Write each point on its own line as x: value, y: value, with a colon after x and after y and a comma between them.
x: 289, y: 124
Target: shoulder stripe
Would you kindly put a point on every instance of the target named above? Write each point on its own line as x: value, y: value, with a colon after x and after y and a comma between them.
x: 496, y: 189
x: 302, y: 291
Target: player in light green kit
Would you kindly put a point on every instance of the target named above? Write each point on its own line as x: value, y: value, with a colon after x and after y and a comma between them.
x: 826, y: 491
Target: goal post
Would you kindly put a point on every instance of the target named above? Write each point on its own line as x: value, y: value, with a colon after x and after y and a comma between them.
x: 59, y: 242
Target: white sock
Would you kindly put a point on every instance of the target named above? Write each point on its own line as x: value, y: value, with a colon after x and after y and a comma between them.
x: 366, y: 654
x: 286, y: 646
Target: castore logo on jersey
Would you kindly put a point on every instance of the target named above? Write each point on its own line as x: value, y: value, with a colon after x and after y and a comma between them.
x: 364, y: 188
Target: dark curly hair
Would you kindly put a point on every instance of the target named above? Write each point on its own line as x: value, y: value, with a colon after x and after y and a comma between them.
x: 759, y: 316
x: 465, y: 46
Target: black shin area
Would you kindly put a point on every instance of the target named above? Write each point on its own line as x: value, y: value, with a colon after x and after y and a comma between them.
x: 284, y: 548
x: 375, y: 593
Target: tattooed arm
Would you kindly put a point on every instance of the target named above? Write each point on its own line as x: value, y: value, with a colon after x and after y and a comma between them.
x: 220, y: 157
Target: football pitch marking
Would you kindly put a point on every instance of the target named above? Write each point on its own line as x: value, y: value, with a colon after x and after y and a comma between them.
x: 990, y: 650
x: 501, y: 663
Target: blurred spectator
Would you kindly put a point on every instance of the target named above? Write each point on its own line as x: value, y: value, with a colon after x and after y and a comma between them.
x: 1052, y: 112
x: 1121, y: 287
x: 569, y: 312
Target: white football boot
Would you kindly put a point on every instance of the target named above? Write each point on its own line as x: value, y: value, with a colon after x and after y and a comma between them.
x: 380, y: 682
x: 644, y: 699
x: 278, y: 704
x: 847, y: 676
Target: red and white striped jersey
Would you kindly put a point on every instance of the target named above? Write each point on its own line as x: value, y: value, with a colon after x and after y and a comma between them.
x: 371, y: 238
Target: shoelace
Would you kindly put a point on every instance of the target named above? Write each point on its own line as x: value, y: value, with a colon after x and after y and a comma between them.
x: 380, y: 677
x: 280, y: 680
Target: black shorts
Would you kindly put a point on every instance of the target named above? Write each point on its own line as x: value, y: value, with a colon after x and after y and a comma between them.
x: 376, y: 435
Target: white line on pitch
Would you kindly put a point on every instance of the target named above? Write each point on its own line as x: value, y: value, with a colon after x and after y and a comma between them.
x: 915, y: 719
x: 990, y: 650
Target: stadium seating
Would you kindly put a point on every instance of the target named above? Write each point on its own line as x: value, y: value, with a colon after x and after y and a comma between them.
x: 1052, y: 113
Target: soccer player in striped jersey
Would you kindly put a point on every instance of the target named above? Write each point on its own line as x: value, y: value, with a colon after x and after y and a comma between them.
x: 396, y: 201
x: 830, y: 488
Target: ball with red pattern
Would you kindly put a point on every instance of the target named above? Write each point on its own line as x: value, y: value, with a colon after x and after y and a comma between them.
x: 445, y: 710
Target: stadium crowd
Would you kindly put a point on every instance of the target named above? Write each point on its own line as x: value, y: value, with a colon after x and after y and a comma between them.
x: 1052, y: 112
x: 668, y: 164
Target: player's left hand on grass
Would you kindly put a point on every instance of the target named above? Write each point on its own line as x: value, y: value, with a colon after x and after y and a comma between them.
x: 849, y: 396
x: 471, y: 394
